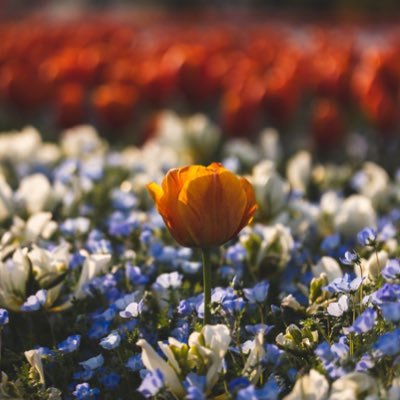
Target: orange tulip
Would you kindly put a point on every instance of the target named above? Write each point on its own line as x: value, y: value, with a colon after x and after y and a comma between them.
x: 204, y: 206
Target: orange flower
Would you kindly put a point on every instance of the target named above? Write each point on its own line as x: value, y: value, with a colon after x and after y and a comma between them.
x: 204, y: 206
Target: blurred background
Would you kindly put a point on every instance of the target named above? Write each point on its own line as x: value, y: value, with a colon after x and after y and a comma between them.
x: 317, y: 71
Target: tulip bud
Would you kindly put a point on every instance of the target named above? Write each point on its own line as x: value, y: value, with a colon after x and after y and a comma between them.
x: 204, y: 206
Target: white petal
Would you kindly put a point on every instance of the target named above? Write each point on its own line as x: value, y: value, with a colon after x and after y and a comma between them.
x: 152, y: 361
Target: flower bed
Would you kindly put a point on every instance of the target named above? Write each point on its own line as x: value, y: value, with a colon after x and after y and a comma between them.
x: 245, y: 71
x: 99, y: 301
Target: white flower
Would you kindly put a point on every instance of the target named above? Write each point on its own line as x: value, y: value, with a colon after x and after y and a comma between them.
x: 94, y: 265
x: 166, y: 349
x: 299, y: 217
x: 34, y: 358
x: 211, y: 344
x: 291, y: 302
x: 312, y: 386
x: 39, y: 225
x: 338, y: 308
x: 277, y: 243
x: 328, y: 266
x: 394, y: 391
x: 48, y: 154
x: 23, y: 233
x: 192, y: 138
x: 82, y: 141
x: 298, y: 171
x: 270, y: 146
x: 14, y: 273
x: 270, y: 189
x: 35, y: 193
x: 371, y: 268
x: 207, y: 348
x: 152, y: 361
x: 20, y: 146
x: 353, y: 386
x: 6, y: 200
x: 243, y: 150
x: 372, y: 181
x: 330, y: 203
x: 354, y: 214
x: 48, y: 265
x: 252, y: 369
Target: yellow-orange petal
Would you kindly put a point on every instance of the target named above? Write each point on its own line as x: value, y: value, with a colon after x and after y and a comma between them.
x: 251, y: 206
x: 155, y: 191
x: 212, y: 206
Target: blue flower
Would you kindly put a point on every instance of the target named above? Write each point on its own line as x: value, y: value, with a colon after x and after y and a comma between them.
x: 344, y: 285
x: 323, y: 351
x: 84, y: 375
x: 364, y: 322
x: 330, y: 243
x: 386, y: 294
x: 98, y: 329
x: 388, y: 344
x: 365, y: 363
x: 190, y: 267
x: 110, y: 380
x: 391, y: 311
x: 254, y: 329
x: 181, y: 332
x: 168, y: 255
x: 152, y: 383
x: 387, y: 231
x: 3, y: 317
x: 238, y: 383
x: 132, y: 310
x: 391, y: 271
x: 134, y: 363
x: 70, y: 344
x: 332, y: 357
x: 77, y: 259
x: 107, y: 315
x: 270, y: 391
x: 171, y: 280
x: 273, y: 354
x: 35, y: 302
x: 135, y: 275
x: 120, y: 224
x: 66, y: 170
x: 83, y: 391
x: 93, y: 363
x: 258, y: 293
x: 349, y: 258
x: 236, y: 254
x: 234, y: 305
x: 195, y: 385
x: 112, y: 341
x: 367, y: 237
x: 122, y: 200
x: 185, y: 307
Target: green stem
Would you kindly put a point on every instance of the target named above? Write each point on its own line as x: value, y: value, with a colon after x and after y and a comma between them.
x: 207, y: 284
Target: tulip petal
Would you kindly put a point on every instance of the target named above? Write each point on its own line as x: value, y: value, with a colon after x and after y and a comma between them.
x: 203, y: 206
x: 212, y: 206
x: 155, y: 191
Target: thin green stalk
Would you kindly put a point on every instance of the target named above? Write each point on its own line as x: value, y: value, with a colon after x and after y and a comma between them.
x: 207, y: 284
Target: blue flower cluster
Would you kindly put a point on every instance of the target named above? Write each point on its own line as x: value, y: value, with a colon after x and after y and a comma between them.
x: 98, y: 301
